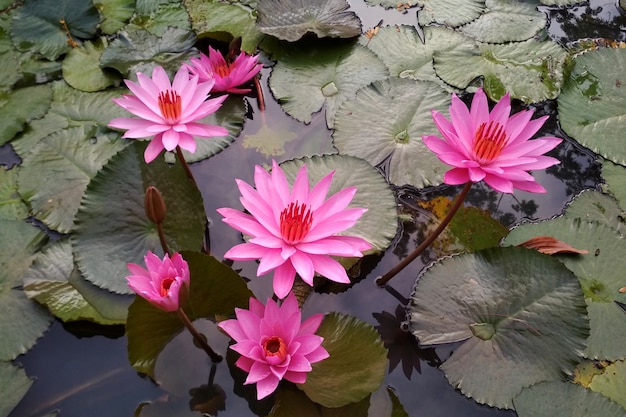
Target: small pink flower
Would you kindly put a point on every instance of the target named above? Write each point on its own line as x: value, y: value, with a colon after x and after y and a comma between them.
x: 160, y: 284
x: 493, y: 147
x: 168, y: 111
x: 227, y: 75
x: 274, y: 344
x: 294, y: 230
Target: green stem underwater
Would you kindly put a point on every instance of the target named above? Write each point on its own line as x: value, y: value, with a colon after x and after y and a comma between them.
x: 382, y: 280
x: 199, y: 339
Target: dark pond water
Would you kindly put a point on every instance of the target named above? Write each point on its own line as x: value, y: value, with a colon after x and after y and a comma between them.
x: 83, y: 371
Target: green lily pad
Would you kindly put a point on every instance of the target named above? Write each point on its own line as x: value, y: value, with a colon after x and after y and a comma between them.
x: 56, y: 172
x: 292, y: 20
x: 36, y: 130
x: 550, y: 399
x: 114, y: 201
x: 81, y: 67
x: 115, y: 14
x: 519, y: 312
x: 37, y: 25
x: 506, y: 21
x: 600, y: 275
x: 149, y: 329
x: 293, y: 402
x: 615, y: 177
x: 611, y: 383
x: 19, y: 107
x: 223, y: 21
x: 140, y: 50
x: 306, y: 80
x: 166, y: 15
x: 592, y: 205
x: 12, y: 207
x: 404, y: 53
x: 48, y: 282
x: 378, y: 225
x: 356, y: 366
x: 23, y: 320
x: 13, y: 386
x: 385, y: 123
x: 592, y: 106
x: 531, y: 71
x: 9, y: 72
x: 451, y: 13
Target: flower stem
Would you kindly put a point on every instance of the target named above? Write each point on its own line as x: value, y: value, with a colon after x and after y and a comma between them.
x: 166, y: 248
x: 199, y: 339
x: 382, y: 280
x: 179, y: 154
x: 259, y: 93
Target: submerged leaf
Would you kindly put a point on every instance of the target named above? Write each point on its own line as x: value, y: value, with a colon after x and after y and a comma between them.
x: 550, y: 245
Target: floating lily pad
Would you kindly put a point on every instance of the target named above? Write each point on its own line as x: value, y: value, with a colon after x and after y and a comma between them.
x: 306, y: 80
x: 451, y: 13
x: 13, y: 386
x: 23, y: 320
x: 550, y: 399
x: 600, y: 275
x: 111, y: 226
x: 115, y: 14
x: 293, y: 402
x: 378, y: 225
x: 519, y: 312
x: 592, y: 205
x: 12, y: 207
x: 506, y: 21
x: 292, y: 20
x: 611, y: 383
x: 356, y: 366
x: 385, y: 123
x: 531, y: 71
x: 592, y: 106
x: 49, y: 26
x: 149, y: 329
x: 223, y: 21
x: 81, y: 67
x: 36, y: 130
x: 9, y: 72
x: 615, y: 177
x: 168, y: 14
x: 19, y: 107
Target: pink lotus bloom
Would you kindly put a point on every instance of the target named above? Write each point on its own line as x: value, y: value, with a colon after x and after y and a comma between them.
x: 227, y: 75
x: 168, y: 111
x: 274, y: 344
x: 294, y: 231
x: 160, y: 284
x: 493, y: 147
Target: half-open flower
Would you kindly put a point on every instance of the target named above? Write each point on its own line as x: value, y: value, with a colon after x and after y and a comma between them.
x: 169, y: 112
x: 228, y: 76
x: 274, y: 343
x: 294, y: 230
x: 162, y: 281
x: 491, y: 146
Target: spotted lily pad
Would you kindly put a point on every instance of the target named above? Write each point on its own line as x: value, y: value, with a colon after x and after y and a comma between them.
x: 305, y: 81
x: 385, y: 125
x: 518, y: 312
x: 13, y: 386
x: 611, y: 382
x: 292, y: 20
x: 593, y: 205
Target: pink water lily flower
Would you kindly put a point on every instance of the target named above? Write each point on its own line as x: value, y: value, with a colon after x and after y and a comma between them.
x: 274, y: 344
x: 494, y: 147
x: 161, y: 283
x: 294, y: 230
x: 169, y: 112
x: 227, y: 75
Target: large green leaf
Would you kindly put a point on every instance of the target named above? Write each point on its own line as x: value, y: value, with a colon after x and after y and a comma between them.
x: 451, y: 13
x: 592, y: 205
x: 19, y: 107
x: 37, y: 25
x: 9, y: 72
x: 56, y: 172
x: 292, y: 402
x: 592, y: 106
x: 531, y: 71
x: 12, y: 206
x: 36, y: 130
x: 384, y: 124
x: 506, y: 21
x: 111, y: 225
x: 115, y: 14
x: 13, y: 386
x: 306, y: 80
x: 356, y: 366
x: 149, y: 329
x: 611, y: 382
x: 378, y: 225
x: 600, y: 275
x: 615, y: 177
x: 81, y: 67
x: 170, y: 14
x: 550, y: 399
x: 521, y: 314
x: 292, y: 20
x: 404, y: 53
x: 23, y: 320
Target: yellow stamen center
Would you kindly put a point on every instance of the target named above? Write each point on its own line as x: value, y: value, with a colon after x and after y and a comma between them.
x: 489, y: 141
x: 275, y: 346
x: 295, y: 222
x: 170, y: 105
